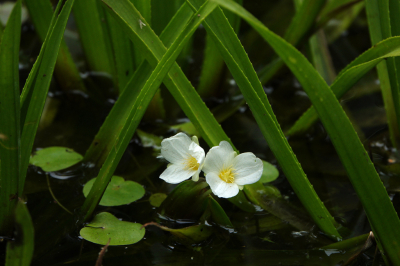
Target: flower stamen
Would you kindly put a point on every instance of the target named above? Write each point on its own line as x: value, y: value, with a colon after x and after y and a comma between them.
x: 227, y: 175
x: 191, y: 163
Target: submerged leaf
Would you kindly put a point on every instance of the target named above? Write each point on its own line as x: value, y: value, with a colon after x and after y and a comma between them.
x: 118, y: 191
x: 105, y: 226
x: 157, y: 198
x: 188, y: 235
x: 270, y: 173
x: 55, y: 158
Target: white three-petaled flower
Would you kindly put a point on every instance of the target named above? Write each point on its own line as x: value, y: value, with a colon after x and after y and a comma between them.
x: 226, y: 172
x: 186, y: 158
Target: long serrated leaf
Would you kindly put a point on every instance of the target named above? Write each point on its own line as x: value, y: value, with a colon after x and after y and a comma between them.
x: 379, y: 28
x: 240, y: 66
x: 37, y: 85
x: 362, y: 174
x: 9, y: 119
x: 349, y: 76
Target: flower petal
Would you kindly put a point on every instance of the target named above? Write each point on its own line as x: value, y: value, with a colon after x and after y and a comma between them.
x: 248, y: 168
x: 197, y: 152
x: 219, y: 158
x: 176, y: 173
x: 220, y: 188
x: 176, y: 148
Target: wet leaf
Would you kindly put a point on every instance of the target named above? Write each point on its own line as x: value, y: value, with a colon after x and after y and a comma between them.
x: 192, y: 197
x: 20, y: 249
x: 118, y: 191
x: 55, y: 158
x: 105, y: 226
x: 218, y: 214
x: 270, y: 173
x: 157, y: 198
x: 189, y: 235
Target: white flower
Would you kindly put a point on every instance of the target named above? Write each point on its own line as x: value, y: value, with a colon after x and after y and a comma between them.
x: 226, y: 172
x: 186, y: 158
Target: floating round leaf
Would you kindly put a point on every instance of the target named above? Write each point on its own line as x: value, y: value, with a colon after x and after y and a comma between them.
x: 105, y: 226
x: 270, y: 173
x: 118, y: 191
x: 55, y: 158
x: 157, y: 198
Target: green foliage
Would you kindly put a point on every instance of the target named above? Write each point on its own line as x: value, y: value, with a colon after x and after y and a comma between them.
x: 55, y: 158
x: 105, y: 227
x: 270, y: 173
x: 34, y: 94
x: 157, y: 198
x: 20, y: 250
x: 349, y: 76
x: 241, y: 68
x: 189, y: 235
x: 118, y: 191
x: 9, y: 119
x: 358, y: 165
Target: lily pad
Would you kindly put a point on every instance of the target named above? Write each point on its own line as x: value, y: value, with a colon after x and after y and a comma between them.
x: 157, y: 198
x: 270, y: 173
x: 118, y: 191
x: 106, y: 226
x: 55, y: 158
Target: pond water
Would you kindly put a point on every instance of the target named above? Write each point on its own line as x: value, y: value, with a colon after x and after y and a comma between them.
x: 73, y: 119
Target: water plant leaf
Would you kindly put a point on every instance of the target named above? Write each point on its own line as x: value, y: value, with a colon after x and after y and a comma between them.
x: 218, y: 214
x: 118, y: 191
x: 245, y: 76
x: 9, y: 118
x: 55, y: 158
x: 188, y: 235
x: 20, y: 250
x: 165, y: 60
x: 149, y: 140
x: 34, y: 94
x: 106, y: 226
x: 349, y: 76
x: 88, y: 16
x: 157, y: 198
x: 362, y: 174
x: 270, y: 173
x: 189, y: 196
x: 41, y: 12
x: 266, y: 198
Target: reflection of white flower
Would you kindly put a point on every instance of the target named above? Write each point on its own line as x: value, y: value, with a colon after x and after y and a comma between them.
x: 186, y: 158
x: 226, y: 172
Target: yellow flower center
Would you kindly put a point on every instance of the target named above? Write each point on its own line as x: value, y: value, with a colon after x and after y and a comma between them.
x: 191, y: 164
x: 227, y: 175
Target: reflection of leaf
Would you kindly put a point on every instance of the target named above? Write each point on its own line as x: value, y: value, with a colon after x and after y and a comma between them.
x: 270, y: 173
x: 105, y: 226
x: 149, y: 140
x: 118, y: 191
x: 20, y: 249
x: 188, y: 235
x: 55, y: 158
x: 157, y: 198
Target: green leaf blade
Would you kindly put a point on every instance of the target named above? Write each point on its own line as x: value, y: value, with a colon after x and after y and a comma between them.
x: 9, y: 119
x: 359, y: 167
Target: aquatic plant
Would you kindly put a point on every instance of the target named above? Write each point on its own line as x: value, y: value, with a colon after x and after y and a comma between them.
x: 141, y: 48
